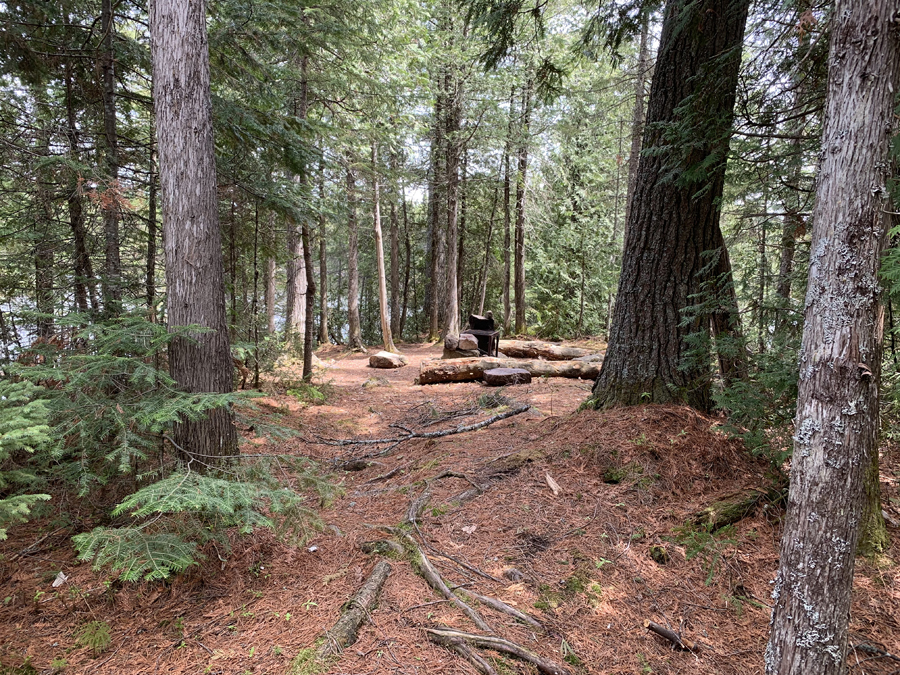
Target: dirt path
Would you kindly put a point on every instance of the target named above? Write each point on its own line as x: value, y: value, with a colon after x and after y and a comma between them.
x: 591, y: 563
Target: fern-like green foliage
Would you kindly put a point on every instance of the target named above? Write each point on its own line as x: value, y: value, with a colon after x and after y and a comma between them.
x: 106, y: 421
x: 24, y: 430
x: 137, y: 553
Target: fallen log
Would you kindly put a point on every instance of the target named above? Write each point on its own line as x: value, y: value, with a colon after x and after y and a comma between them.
x: 355, y: 612
x: 437, y: 371
x: 532, y: 349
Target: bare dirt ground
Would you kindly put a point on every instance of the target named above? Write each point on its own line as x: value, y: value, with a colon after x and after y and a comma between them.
x: 628, y: 479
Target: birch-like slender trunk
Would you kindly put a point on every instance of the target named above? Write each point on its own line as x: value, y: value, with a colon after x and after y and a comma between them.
x: 386, y: 336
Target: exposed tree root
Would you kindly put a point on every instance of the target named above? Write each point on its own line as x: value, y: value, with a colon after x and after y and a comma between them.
x: 459, y: 645
x: 501, y: 606
x: 445, y: 635
x: 355, y: 612
x: 434, y: 579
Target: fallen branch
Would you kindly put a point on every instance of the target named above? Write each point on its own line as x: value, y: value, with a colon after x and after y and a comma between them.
x: 499, y: 645
x: 440, y: 371
x: 357, y: 609
x: 416, y: 434
x: 671, y: 636
x: 433, y: 578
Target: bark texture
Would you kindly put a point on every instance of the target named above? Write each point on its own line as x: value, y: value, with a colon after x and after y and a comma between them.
x: 674, y: 218
x: 837, y: 406
x: 521, y: 177
x: 187, y: 172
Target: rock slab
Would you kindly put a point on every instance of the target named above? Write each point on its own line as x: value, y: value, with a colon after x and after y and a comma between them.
x: 467, y: 342
x: 498, y: 377
x: 387, y: 360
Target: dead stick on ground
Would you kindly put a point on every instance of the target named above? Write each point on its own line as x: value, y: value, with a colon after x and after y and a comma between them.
x: 433, y: 577
x: 430, y: 434
x: 355, y: 612
x: 499, y: 645
x: 460, y: 647
x: 501, y: 606
x: 670, y: 635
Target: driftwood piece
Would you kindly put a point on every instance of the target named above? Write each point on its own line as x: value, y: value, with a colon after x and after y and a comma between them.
x: 533, y: 349
x: 437, y: 371
x: 433, y: 578
x: 357, y: 609
x: 671, y: 636
x: 499, y: 645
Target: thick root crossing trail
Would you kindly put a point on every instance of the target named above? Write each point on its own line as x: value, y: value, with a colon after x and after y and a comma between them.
x: 544, y: 542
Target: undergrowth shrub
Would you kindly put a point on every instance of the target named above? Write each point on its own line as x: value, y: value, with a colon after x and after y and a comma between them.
x: 105, y: 424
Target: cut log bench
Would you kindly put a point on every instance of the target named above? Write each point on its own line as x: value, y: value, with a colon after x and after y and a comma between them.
x: 436, y: 371
x: 500, y: 377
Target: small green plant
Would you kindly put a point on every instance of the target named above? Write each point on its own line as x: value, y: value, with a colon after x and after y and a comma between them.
x: 95, y: 636
x: 308, y: 393
x: 309, y: 604
x: 708, y: 545
x: 59, y: 664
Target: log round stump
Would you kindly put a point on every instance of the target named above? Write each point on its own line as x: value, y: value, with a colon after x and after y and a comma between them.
x: 498, y: 377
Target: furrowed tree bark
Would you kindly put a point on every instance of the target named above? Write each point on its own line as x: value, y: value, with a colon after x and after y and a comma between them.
x: 310, y: 297
x: 386, y: 336
x: 453, y: 147
x: 637, y: 116
x: 194, y: 268
x: 354, y: 339
x: 835, y: 442
x: 112, y: 273
x: 674, y: 222
x: 44, y: 246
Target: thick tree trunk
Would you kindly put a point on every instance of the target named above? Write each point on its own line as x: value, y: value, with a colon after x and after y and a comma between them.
x: 354, y: 338
x: 407, y: 266
x: 485, y: 265
x: 44, y: 258
x: 387, y: 338
x: 112, y: 273
x: 837, y: 407
x: 674, y: 223
x: 637, y: 116
x: 194, y: 269
x: 434, y: 371
x: 521, y: 175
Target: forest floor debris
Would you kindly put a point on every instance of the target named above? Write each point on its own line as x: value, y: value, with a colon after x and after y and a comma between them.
x: 611, y: 551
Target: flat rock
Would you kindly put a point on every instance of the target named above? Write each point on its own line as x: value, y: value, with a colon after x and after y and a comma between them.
x: 387, y: 360
x: 497, y: 377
